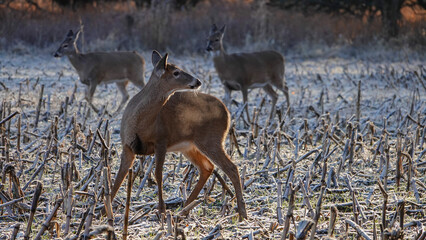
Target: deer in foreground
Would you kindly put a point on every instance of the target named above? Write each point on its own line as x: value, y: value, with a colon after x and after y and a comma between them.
x: 243, y: 71
x: 103, y: 67
x: 158, y: 120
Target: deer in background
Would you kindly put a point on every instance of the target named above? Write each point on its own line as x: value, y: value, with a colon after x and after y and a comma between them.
x: 158, y: 120
x: 243, y: 71
x: 103, y: 67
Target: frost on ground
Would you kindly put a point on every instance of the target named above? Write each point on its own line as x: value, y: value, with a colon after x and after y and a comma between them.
x: 328, y: 148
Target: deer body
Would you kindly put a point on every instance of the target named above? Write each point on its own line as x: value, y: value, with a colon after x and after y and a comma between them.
x: 157, y: 120
x: 244, y: 71
x: 104, y: 68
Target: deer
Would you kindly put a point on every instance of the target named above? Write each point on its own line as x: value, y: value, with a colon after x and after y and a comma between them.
x: 95, y: 68
x: 161, y: 118
x: 244, y: 71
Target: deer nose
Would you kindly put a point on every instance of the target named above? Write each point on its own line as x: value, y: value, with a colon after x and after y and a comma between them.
x: 196, y: 84
x: 209, y: 48
x: 56, y: 54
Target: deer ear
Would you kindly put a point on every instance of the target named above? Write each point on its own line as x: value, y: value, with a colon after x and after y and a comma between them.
x: 222, y: 30
x: 70, y: 33
x: 213, y: 29
x: 155, y: 58
x: 161, y: 65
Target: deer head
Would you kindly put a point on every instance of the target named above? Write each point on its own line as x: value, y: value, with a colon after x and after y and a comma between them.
x: 68, y: 46
x: 214, y: 41
x: 169, y: 76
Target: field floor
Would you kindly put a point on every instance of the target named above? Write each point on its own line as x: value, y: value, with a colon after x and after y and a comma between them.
x: 348, y: 158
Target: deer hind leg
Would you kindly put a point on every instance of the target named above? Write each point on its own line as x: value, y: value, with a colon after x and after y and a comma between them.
x: 274, y: 96
x: 90, y: 91
x: 127, y: 159
x: 216, y: 153
x: 160, y: 155
x: 205, y: 168
x: 124, y: 95
x: 281, y: 84
x: 245, y: 100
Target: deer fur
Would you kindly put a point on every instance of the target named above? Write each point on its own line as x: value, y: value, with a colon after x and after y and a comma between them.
x: 103, y: 67
x: 158, y: 120
x: 244, y: 71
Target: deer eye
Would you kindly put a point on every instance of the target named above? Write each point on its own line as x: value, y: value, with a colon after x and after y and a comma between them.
x: 176, y: 74
x: 216, y: 40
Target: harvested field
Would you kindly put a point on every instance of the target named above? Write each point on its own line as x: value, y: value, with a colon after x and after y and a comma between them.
x: 347, y: 161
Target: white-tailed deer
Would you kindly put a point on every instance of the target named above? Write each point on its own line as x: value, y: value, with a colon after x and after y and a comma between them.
x: 158, y: 120
x: 103, y: 67
x: 243, y: 71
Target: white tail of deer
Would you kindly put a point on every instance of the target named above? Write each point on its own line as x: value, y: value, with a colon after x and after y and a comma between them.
x: 243, y: 71
x: 158, y: 120
x: 103, y: 67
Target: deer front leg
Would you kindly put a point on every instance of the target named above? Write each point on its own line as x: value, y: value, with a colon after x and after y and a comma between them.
x: 160, y: 154
x: 127, y: 159
x: 124, y: 95
x: 287, y: 97
x: 90, y: 90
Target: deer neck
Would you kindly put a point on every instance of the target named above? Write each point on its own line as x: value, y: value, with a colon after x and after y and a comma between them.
x: 76, y: 59
x: 222, y: 52
x: 151, y: 98
x: 156, y: 92
x: 220, y: 58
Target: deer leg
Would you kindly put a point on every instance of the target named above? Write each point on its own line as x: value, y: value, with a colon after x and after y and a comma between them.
x: 287, y: 96
x: 274, y: 96
x: 216, y: 153
x: 245, y: 97
x: 140, y: 82
x: 227, y: 97
x: 127, y: 159
x: 124, y: 95
x: 160, y: 155
x: 89, y: 96
x: 205, y: 168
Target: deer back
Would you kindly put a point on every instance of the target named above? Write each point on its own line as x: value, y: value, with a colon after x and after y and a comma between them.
x: 249, y: 69
x: 105, y: 67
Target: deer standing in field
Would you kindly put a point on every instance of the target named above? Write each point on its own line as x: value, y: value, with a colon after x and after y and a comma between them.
x: 158, y: 120
x: 103, y: 67
x: 243, y: 71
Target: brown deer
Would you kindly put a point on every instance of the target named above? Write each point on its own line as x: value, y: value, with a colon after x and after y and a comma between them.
x: 103, y: 67
x: 243, y: 71
x: 158, y: 120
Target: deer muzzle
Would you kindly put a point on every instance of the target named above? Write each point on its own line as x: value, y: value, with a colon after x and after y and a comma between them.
x: 195, y: 84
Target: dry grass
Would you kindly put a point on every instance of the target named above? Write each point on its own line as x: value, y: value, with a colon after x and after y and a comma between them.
x: 251, y: 26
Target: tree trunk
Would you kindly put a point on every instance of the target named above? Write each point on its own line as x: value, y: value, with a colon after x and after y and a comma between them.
x: 391, y: 16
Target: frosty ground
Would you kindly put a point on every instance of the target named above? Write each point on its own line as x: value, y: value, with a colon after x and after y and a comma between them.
x: 323, y: 93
